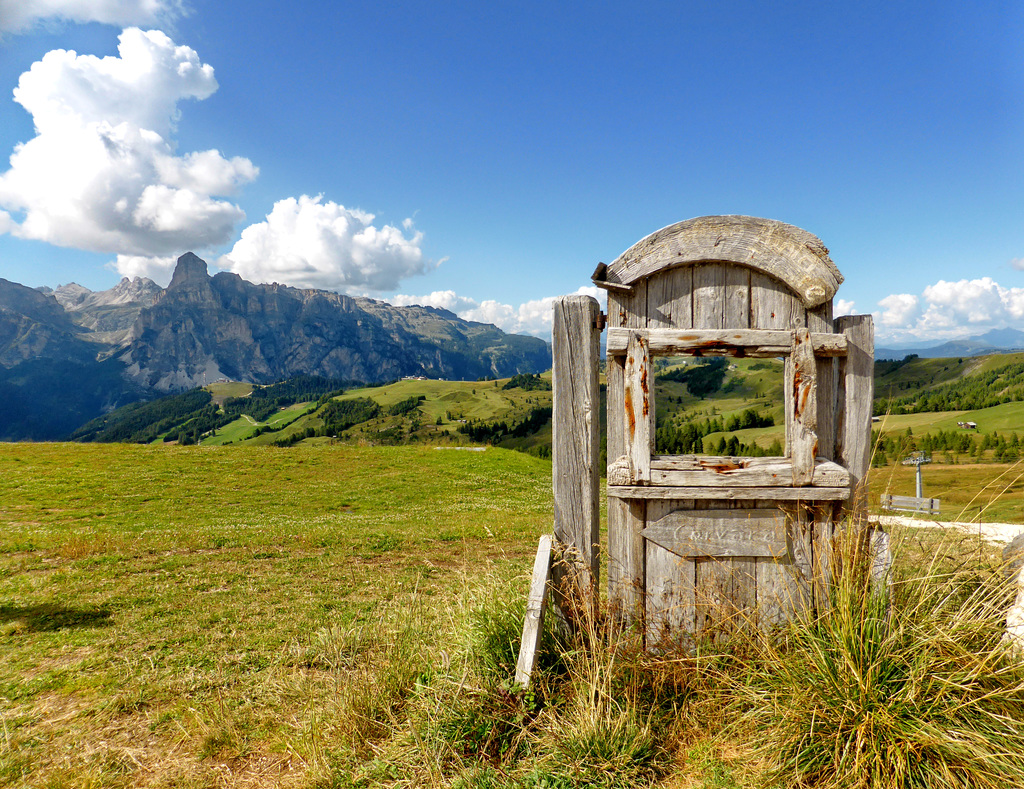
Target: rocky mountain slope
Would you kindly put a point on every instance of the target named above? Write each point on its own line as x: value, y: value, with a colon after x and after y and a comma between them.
x: 107, y: 315
x: 204, y: 328
x: 136, y: 340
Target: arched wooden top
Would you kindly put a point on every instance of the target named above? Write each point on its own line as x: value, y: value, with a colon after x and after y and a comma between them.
x: 784, y: 252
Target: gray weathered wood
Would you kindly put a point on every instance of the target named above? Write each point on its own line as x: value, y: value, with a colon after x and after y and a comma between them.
x: 670, y: 594
x: 819, y: 320
x: 782, y: 251
x: 780, y: 591
x: 856, y: 397
x: 737, y: 297
x: 718, y: 472
x: 638, y: 417
x: 709, y: 296
x: 626, y: 557
x: 803, y: 401
x: 773, y: 305
x: 575, y: 439
x: 736, y: 493
x: 733, y: 532
x: 625, y: 518
x: 704, y: 570
x: 724, y: 595
x: 536, y: 605
x: 825, y: 474
x: 801, y: 539
x: 669, y: 599
x: 670, y: 299
x: 748, y: 342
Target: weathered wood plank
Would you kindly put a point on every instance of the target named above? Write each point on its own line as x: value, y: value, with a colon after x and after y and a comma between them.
x: 626, y: 557
x: 625, y: 518
x: 856, y: 395
x: 779, y: 594
x: 575, y: 440
x: 670, y: 299
x: 732, y: 532
x: 746, y: 342
x: 712, y: 462
x: 737, y: 297
x: 724, y: 595
x: 825, y: 474
x: 624, y: 311
x: 735, y: 493
x: 781, y: 251
x: 744, y: 591
x: 637, y: 409
x: 670, y: 595
x: 669, y: 602
x: 773, y: 305
x: 819, y: 320
x: 709, y: 296
x: 803, y: 402
x: 536, y: 605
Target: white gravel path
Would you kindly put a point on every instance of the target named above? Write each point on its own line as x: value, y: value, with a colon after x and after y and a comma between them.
x: 997, y: 533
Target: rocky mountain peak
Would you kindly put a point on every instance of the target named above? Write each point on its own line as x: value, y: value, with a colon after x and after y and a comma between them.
x: 71, y: 295
x: 190, y: 270
x: 139, y: 289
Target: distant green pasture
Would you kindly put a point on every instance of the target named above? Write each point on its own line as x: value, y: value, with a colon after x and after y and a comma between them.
x: 1005, y: 418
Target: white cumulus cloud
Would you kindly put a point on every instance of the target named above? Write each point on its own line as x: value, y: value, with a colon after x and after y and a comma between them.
x: 442, y: 299
x: 18, y: 15
x: 948, y: 310
x: 310, y: 243
x: 844, y: 307
x: 898, y: 310
x: 158, y: 269
x: 102, y: 173
x: 531, y: 317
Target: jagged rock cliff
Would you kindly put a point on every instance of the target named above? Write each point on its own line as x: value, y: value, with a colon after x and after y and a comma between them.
x: 203, y: 328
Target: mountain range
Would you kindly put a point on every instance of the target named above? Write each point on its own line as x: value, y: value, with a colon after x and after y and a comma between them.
x: 1004, y: 340
x: 70, y: 354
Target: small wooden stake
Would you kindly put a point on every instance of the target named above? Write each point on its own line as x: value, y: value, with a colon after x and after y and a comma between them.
x: 536, y: 603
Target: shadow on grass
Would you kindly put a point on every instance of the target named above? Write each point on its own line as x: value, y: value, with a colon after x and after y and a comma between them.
x: 49, y: 617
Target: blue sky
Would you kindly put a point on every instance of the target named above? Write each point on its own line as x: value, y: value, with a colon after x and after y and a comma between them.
x: 486, y: 156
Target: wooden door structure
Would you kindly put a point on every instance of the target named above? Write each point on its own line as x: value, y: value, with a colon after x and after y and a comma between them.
x: 697, y: 544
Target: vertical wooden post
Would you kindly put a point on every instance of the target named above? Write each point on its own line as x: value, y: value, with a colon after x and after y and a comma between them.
x: 638, y: 410
x: 575, y: 442
x: 801, y: 393
x: 856, y: 394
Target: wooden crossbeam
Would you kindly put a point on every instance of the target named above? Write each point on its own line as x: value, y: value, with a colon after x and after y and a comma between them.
x: 733, y: 342
x: 703, y: 492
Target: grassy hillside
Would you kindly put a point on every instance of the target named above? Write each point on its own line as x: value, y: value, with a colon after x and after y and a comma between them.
x: 715, y: 406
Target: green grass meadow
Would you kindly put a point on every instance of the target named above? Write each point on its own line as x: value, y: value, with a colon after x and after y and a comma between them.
x: 348, y: 616
x: 166, y: 613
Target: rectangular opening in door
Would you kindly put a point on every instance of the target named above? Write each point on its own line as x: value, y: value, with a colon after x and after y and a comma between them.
x: 720, y: 406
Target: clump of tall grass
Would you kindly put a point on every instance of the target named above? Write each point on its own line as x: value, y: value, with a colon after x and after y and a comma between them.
x: 892, y: 686
x: 914, y: 687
